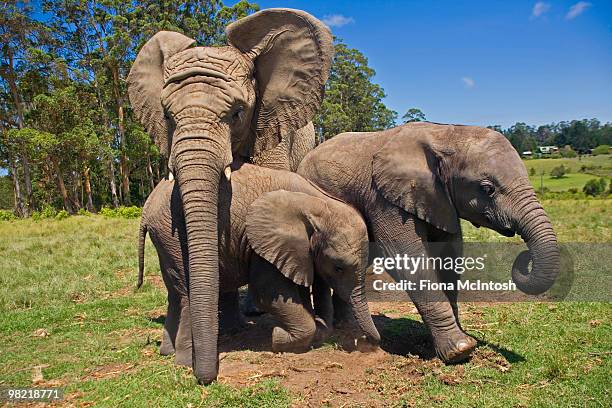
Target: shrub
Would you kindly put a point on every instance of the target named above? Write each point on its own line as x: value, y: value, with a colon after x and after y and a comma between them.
x: 83, y: 212
x: 62, y: 215
x: 7, y: 215
x: 558, y: 171
x: 48, y: 212
x: 562, y: 195
x: 532, y: 171
x: 601, y: 149
x: 121, y: 212
x: 594, y: 187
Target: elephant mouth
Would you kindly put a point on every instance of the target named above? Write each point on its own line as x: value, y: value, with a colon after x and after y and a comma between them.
x: 505, y: 232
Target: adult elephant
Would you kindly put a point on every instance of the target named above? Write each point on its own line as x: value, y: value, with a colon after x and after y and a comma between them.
x: 412, y: 184
x: 206, y: 106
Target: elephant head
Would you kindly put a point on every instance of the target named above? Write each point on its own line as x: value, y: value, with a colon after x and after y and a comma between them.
x: 301, y: 234
x: 441, y: 173
x: 204, y: 106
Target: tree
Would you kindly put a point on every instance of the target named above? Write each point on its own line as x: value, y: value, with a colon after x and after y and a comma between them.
x: 352, y: 101
x: 594, y: 187
x: 19, y: 32
x: 558, y: 172
x: 522, y: 137
x: 414, y: 115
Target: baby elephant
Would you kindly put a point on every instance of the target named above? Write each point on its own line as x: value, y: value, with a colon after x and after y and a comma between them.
x: 278, y: 233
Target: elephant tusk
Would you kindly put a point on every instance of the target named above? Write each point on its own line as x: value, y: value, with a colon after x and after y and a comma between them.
x: 170, y: 176
x: 228, y: 173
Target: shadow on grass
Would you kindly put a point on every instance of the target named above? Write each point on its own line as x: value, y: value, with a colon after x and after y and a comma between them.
x: 400, y: 336
x: 404, y: 336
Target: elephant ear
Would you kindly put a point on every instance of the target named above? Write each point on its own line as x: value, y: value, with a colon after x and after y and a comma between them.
x: 406, y: 171
x: 146, y: 80
x: 279, y: 228
x: 292, y: 53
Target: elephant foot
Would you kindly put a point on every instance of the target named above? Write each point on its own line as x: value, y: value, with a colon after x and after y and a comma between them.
x: 183, y: 358
x: 454, y: 348
x: 166, y: 348
x: 284, y: 342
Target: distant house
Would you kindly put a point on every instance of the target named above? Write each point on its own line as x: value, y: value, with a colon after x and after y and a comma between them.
x: 548, y: 149
x: 527, y: 153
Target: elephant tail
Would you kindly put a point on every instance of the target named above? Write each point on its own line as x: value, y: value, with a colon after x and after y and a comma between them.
x: 142, y: 236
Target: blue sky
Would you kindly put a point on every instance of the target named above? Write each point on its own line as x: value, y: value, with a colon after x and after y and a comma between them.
x: 482, y: 62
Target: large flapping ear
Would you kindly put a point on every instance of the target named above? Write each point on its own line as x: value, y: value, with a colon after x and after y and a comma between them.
x: 146, y: 81
x: 406, y: 171
x: 279, y: 228
x: 292, y: 53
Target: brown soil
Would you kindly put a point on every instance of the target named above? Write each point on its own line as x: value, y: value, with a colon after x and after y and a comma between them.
x: 340, y: 373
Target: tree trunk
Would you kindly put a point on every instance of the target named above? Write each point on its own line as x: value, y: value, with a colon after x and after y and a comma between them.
x: 113, y: 186
x: 61, y: 186
x: 86, y: 175
x: 123, y: 159
x: 17, y: 101
x: 19, y: 205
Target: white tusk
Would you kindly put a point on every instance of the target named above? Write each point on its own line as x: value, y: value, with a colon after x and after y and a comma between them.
x: 228, y: 173
x: 170, y: 176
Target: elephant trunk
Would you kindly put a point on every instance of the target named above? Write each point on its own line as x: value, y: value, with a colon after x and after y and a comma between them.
x: 535, y: 228
x: 199, y: 162
x: 361, y: 312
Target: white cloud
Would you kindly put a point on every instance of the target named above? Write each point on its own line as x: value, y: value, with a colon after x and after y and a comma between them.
x: 539, y: 9
x: 577, y: 9
x: 468, y: 82
x: 337, y: 20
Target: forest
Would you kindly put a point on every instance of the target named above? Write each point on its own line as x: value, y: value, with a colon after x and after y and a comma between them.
x: 68, y: 138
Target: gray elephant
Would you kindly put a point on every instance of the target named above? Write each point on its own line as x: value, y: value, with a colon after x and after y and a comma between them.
x: 208, y: 106
x: 413, y: 183
x: 278, y: 233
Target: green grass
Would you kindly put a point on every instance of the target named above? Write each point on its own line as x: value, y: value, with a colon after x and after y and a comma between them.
x: 68, y: 303
x: 571, y: 180
x: 546, y: 165
x: 597, y: 166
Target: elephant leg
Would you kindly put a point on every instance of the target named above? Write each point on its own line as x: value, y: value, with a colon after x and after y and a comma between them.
x: 230, y: 318
x: 399, y: 233
x: 171, y: 324
x: 450, y: 247
x: 183, y: 342
x: 286, y: 302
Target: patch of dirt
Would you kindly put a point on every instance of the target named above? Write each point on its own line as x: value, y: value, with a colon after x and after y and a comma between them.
x: 339, y: 372
x: 336, y: 373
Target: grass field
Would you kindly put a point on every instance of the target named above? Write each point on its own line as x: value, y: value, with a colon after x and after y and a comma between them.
x: 70, y: 313
x: 596, y: 166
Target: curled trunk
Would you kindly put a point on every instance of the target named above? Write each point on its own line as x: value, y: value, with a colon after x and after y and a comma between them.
x: 535, y: 228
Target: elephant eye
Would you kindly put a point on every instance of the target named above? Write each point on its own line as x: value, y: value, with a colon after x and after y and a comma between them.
x: 338, y: 269
x: 488, y: 188
x: 237, y: 115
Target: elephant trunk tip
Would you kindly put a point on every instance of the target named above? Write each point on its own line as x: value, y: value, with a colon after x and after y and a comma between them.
x: 529, y: 282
